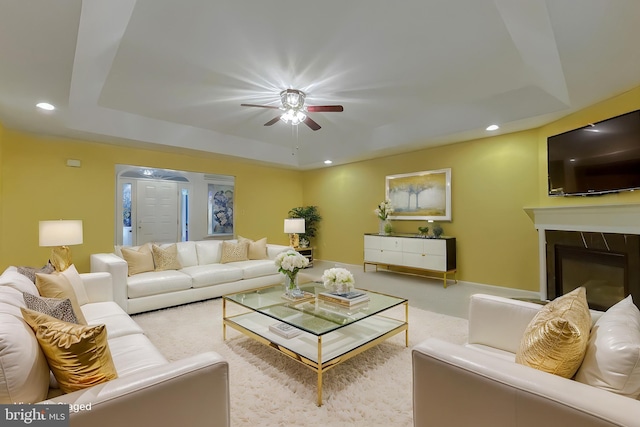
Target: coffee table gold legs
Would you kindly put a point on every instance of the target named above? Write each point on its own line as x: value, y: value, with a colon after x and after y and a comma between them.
x: 406, y: 320
x: 224, y: 316
x: 319, y: 370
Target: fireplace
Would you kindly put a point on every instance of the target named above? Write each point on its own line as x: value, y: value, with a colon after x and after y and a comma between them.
x: 603, y: 263
x: 595, y: 246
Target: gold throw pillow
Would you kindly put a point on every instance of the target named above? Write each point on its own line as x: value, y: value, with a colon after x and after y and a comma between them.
x: 58, y: 286
x: 78, y: 355
x: 234, y: 252
x: 140, y: 260
x: 257, y: 249
x: 167, y: 258
x: 556, y: 339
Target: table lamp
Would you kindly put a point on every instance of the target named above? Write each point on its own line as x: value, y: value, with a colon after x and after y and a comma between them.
x: 293, y: 226
x: 59, y: 235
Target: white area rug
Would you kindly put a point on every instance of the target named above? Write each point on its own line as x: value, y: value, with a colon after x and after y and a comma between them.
x: 269, y: 389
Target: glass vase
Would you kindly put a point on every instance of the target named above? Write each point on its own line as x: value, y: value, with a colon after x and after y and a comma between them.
x: 381, y: 227
x: 291, y: 286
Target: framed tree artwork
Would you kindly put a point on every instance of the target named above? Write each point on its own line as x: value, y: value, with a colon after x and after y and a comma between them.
x: 420, y: 195
x: 220, y: 212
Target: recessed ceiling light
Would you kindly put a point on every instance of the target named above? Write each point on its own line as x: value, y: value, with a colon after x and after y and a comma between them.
x: 327, y: 162
x: 493, y: 127
x: 45, y: 106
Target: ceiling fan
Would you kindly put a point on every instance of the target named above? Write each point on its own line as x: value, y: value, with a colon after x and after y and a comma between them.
x: 294, y: 109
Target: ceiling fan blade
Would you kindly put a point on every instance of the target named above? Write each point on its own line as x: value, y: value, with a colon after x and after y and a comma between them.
x: 313, y: 125
x: 325, y: 108
x: 259, y: 106
x: 272, y: 121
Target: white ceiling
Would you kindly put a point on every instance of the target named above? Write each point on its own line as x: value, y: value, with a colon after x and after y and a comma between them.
x: 410, y: 74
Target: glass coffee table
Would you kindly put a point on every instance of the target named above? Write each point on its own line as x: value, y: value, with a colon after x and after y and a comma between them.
x: 328, y: 334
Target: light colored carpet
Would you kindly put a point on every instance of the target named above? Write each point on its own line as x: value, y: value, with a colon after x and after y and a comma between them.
x: 269, y: 389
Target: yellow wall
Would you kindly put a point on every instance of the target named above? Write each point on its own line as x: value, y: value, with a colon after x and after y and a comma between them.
x: 37, y: 185
x: 492, y: 179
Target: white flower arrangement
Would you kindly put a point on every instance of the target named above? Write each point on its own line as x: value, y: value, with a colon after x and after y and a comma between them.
x: 290, y: 262
x: 338, y: 279
x: 384, y: 209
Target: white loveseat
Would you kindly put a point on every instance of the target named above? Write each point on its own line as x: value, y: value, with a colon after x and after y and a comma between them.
x: 200, y: 276
x: 479, y: 384
x: 149, y: 390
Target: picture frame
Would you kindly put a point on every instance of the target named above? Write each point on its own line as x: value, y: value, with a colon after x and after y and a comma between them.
x: 424, y: 195
x: 220, y: 212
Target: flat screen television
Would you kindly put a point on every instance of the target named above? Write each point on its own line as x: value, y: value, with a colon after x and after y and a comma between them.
x: 599, y: 158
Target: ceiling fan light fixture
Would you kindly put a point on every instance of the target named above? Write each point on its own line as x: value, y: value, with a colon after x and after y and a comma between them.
x: 292, y: 99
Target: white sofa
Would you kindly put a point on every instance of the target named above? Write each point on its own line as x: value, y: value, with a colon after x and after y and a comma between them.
x: 149, y: 390
x: 479, y: 384
x: 200, y: 277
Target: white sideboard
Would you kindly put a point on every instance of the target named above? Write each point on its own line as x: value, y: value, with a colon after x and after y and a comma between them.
x: 413, y: 252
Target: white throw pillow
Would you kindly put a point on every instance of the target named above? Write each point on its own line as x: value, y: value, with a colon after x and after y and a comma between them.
x: 24, y: 372
x: 74, y: 278
x: 612, y: 360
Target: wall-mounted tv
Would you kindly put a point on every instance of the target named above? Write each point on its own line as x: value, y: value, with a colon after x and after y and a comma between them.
x: 599, y: 158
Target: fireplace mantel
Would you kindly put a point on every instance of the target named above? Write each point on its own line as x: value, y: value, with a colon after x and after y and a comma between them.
x: 619, y: 218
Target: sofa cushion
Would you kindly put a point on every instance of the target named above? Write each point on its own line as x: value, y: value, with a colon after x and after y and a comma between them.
x: 232, y: 252
x: 24, y: 373
x: 257, y: 249
x: 208, y: 251
x: 556, y: 339
x: 256, y: 268
x: 58, y: 286
x: 187, y: 254
x: 61, y: 309
x: 11, y: 278
x: 138, y: 260
x: 213, y: 274
x: 157, y: 282
x: 110, y: 314
x: 134, y: 353
x: 612, y: 359
x: 165, y: 257
x: 78, y: 355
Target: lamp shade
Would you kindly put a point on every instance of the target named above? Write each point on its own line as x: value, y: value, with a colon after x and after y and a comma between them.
x: 294, y: 225
x: 60, y: 233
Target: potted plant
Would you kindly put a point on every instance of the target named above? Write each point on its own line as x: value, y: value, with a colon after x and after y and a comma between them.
x: 311, y: 220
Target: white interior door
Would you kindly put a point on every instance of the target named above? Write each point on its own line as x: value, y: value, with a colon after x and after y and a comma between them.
x: 157, y: 211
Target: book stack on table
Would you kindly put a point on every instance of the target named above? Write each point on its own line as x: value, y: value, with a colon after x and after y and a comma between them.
x: 346, y: 299
x: 284, y: 330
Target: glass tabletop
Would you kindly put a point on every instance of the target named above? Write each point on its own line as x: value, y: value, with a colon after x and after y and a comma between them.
x: 312, y: 314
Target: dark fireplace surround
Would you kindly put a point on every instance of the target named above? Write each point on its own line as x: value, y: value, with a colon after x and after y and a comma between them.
x: 606, y: 264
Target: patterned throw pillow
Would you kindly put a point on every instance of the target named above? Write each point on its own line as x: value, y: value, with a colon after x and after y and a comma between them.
x: 555, y: 340
x: 78, y: 355
x: 30, y: 272
x: 232, y: 252
x: 61, y: 309
x: 166, y: 258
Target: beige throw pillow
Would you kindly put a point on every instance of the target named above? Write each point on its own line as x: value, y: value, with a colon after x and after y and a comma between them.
x: 232, y: 252
x: 58, y: 286
x: 257, y: 249
x: 166, y: 258
x: 140, y: 260
x: 556, y: 339
x: 78, y: 355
